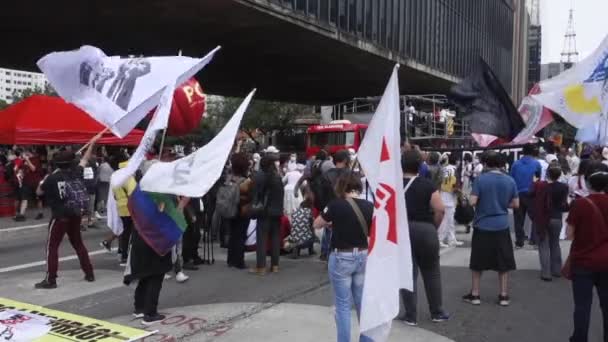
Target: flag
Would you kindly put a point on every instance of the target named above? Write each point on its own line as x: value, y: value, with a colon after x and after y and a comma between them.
x: 486, y: 105
x: 194, y: 175
x: 580, y: 94
x: 161, y: 230
x: 389, y: 261
x: 535, y: 115
x: 595, y: 133
x: 117, y: 92
x: 119, y: 177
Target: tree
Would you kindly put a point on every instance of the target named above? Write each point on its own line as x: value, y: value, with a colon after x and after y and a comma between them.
x: 19, y: 95
x: 263, y: 117
x: 3, y: 104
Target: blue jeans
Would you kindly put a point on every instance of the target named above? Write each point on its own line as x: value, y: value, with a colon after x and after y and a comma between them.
x: 347, y: 274
x: 326, y: 241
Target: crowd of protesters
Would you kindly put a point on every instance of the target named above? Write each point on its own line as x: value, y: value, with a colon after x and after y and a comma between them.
x: 284, y: 204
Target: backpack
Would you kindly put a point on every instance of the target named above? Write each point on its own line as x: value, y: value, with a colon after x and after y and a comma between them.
x: 76, y: 197
x: 465, y: 213
x: 323, y: 191
x: 228, y: 198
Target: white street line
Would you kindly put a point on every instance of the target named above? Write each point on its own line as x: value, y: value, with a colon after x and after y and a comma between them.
x: 15, y: 229
x: 43, y: 262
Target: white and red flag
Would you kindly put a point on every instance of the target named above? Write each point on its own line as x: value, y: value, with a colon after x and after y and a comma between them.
x: 389, y: 261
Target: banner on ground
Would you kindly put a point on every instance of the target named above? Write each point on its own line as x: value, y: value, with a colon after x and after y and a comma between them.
x: 194, y: 175
x: 21, y: 322
x: 117, y: 92
x: 389, y: 261
x: 580, y: 94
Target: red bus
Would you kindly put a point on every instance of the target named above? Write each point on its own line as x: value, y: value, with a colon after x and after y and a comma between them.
x: 335, y: 136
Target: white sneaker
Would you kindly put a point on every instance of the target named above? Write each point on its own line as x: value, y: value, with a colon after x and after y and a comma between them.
x: 168, y: 276
x: 443, y: 245
x: 98, y: 215
x: 181, y: 277
x: 456, y: 243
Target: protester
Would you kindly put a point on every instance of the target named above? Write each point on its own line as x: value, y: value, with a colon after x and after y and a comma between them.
x: 350, y: 219
x: 324, y: 187
x: 268, y: 192
x: 33, y: 177
x: 238, y: 225
x: 66, y: 195
x: 523, y: 172
x: 90, y: 176
x: 149, y: 269
x: 301, y: 235
x: 577, y: 183
x: 434, y: 169
x: 291, y: 178
x: 550, y: 200
x: 103, y: 186
x: 7, y: 201
x: 573, y: 161
x: 121, y: 195
x: 425, y: 212
x: 24, y: 193
x: 449, y: 189
x: 192, y: 236
x: 467, y: 174
x: 491, y: 248
x: 587, y: 265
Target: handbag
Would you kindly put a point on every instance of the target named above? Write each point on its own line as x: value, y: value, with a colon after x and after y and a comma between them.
x: 359, y: 214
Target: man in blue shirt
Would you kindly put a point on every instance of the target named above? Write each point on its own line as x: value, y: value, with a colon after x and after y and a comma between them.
x: 523, y: 172
x: 491, y: 248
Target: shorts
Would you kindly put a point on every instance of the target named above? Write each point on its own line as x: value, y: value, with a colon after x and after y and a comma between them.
x: 492, y: 250
x: 24, y: 193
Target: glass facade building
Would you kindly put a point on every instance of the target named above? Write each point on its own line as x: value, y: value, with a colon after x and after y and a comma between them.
x: 444, y: 35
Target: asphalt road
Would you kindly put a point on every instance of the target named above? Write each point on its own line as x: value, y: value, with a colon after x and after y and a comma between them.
x: 539, y: 312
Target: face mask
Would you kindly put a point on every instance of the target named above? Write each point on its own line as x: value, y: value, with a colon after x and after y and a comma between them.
x: 292, y: 159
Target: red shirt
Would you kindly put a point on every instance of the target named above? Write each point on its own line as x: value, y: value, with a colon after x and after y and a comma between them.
x: 589, y: 248
x: 18, y: 162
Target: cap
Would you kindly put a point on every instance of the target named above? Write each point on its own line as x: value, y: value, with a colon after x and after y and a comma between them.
x: 64, y: 157
x: 271, y: 149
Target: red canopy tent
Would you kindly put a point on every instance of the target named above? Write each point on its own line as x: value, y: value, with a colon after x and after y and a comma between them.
x: 46, y: 120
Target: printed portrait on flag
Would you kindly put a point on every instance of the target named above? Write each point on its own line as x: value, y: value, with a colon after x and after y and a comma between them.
x: 97, y: 76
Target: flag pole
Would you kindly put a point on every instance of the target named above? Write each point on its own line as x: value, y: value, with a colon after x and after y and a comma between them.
x: 162, y: 144
x: 98, y: 135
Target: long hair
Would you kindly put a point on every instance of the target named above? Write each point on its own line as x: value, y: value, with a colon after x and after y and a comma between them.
x: 347, y: 183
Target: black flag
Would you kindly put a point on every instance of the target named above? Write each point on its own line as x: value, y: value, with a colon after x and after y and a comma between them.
x: 487, y: 107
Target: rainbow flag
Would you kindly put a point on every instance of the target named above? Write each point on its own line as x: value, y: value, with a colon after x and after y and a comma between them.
x: 160, y: 230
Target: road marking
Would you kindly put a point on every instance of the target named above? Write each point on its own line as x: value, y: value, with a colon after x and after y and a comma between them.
x: 15, y: 229
x: 43, y: 262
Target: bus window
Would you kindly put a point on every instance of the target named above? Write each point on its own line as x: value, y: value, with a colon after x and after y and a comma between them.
x: 350, y: 139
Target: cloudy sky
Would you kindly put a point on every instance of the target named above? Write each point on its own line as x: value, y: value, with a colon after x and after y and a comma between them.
x: 590, y: 23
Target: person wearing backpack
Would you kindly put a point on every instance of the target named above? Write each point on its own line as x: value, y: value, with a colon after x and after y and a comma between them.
x: 66, y: 194
x: 239, y: 189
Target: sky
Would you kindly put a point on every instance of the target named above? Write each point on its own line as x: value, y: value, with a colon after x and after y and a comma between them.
x: 590, y: 24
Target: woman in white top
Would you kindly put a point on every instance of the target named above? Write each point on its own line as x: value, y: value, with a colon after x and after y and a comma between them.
x: 577, y: 184
x: 291, y: 178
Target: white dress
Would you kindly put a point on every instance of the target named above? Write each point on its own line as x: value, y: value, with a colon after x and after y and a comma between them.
x: 290, y: 202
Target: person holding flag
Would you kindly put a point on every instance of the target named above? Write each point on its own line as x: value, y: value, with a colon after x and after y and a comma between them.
x: 389, y: 256
x: 66, y: 194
